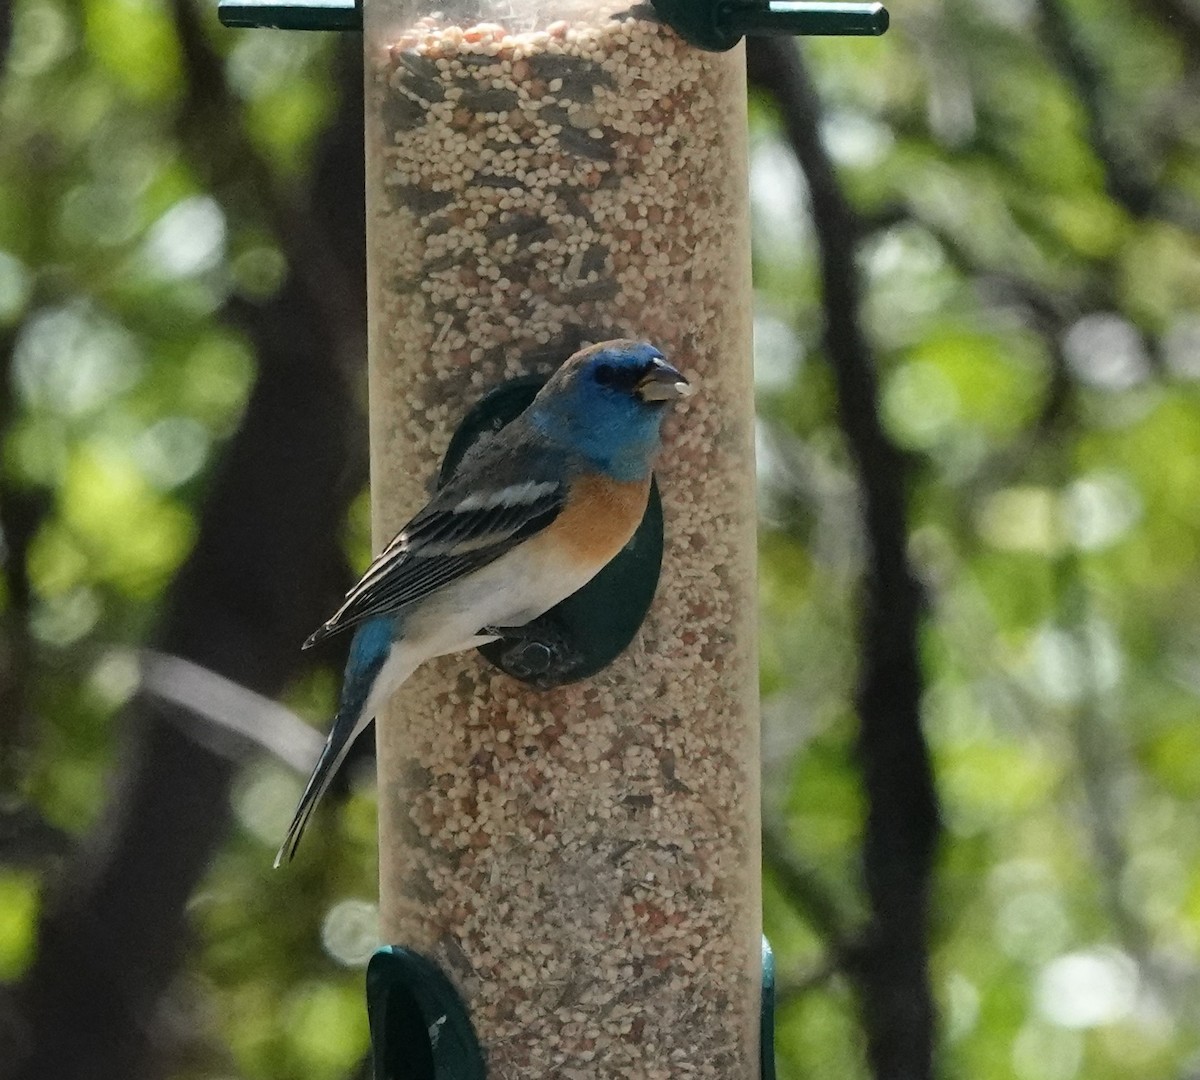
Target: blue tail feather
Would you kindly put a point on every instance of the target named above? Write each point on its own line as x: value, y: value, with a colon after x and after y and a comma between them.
x: 337, y: 746
x: 368, y: 652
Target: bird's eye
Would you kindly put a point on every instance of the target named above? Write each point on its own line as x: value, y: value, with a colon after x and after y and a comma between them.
x: 605, y: 374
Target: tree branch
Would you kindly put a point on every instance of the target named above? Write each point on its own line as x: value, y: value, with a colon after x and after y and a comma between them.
x: 21, y: 513
x: 1124, y: 177
x: 239, y: 721
x: 809, y: 895
x: 321, y: 235
x: 1179, y: 18
x: 902, y: 827
x: 6, y: 31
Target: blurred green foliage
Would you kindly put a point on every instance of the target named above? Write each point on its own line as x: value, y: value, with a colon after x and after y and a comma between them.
x: 1038, y: 338
x: 1039, y: 350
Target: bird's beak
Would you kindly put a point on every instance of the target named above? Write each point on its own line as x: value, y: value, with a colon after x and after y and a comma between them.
x: 662, y: 383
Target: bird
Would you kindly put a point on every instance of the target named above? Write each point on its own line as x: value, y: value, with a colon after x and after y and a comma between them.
x: 532, y: 513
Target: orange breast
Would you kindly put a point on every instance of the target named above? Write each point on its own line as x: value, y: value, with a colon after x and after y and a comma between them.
x: 600, y: 517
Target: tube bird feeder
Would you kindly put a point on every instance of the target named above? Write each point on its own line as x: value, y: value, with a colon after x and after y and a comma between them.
x: 576, y: 863
x: 583, y: 862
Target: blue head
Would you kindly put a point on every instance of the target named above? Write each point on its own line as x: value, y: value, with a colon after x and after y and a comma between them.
x: 607, y: 403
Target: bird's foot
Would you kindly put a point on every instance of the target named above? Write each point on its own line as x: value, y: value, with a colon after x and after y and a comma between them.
x: 532, y: 652
x: 507, y: 633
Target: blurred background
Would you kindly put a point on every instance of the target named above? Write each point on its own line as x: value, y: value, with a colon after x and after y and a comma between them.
x: 978, y: 362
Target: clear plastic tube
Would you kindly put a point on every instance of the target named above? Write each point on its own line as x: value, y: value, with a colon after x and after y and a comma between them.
x: 585, y: 862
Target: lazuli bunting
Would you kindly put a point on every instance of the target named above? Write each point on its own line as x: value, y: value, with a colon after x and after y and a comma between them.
x: 531, y: 515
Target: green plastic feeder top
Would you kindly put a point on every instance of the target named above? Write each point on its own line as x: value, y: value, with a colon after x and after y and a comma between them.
x: 710, y: 24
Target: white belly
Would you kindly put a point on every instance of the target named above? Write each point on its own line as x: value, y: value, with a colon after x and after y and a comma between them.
x: 508, y: 592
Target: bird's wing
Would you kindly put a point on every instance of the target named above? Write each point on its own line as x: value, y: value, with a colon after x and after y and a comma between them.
x: 505, y: 493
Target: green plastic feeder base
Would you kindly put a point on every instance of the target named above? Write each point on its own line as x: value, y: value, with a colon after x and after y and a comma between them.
x: 420, y: 1028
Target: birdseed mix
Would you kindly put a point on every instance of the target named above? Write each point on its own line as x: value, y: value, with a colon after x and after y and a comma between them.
x: 584, y: 863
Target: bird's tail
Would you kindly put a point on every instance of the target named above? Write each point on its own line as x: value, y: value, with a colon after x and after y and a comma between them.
x: 345, y: 730
x: 376, y: 666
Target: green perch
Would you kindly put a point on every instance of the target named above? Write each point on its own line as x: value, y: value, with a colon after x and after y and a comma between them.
x: 710, y: 24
